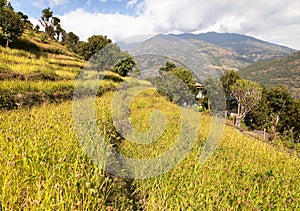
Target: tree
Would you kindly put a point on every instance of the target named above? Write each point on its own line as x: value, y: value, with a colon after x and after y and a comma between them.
x: 95, y: 43
x: 72, y: 41
x: 185, y: 75
x: 168, y: 67
x: 177, y: 84
x: 277, y: 112
x: 247, y: 94
x: 2, y: 3
x: 63, y: 37
x: 52, y: 24
x: 47, y: 21
x: 27, y: 23
x: 58, y: 30
x: 11, y: 24
x: 214, y: 94
x: 37, y: 28
x: 111, y: 58
x: 228, y: 79
x: 125, y: 66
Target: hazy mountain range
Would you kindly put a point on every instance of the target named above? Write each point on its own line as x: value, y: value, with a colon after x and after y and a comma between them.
x: 212, y: 53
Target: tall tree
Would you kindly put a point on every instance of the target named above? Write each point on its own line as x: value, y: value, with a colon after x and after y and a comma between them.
x: 11, y: 24
x: 247, y: 94
x: 72, y: 41
x: 47, y: 21
x: 27, y: 23
x: 168, y: 67
x: 228, y: 79
x: 96, y: 43
x: 58, y: 30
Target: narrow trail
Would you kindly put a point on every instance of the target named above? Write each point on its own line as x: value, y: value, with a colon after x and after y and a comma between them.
x: 125, y: 189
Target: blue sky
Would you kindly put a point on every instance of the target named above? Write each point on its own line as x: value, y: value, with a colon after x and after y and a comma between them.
x: 276, y: 21
x: 34, y: 7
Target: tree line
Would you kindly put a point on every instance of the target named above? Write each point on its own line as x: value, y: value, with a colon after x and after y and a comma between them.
x: 13, y: 24
x: 258, y: 107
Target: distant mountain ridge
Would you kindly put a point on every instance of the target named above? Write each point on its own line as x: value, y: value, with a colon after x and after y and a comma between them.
x: 224, y: 50
x: 248, y: 49
x: 284, y: 71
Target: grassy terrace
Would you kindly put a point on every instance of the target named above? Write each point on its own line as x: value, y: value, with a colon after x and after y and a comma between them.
x: 42, y: 165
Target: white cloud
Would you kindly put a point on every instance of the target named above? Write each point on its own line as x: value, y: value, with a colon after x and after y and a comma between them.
x: 272, y: 20
x: 115, y: 26
x: 103, y: 0
x: 131, y: 3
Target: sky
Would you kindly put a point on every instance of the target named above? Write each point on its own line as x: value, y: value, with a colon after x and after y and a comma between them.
x: 276, y: 21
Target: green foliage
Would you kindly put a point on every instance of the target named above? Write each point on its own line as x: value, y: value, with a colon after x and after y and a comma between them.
x: 177, y: 84
x: 277, y: 111
x: 47, y: 22
x: 94, y: 44
x: 186, y: 77
x: 169, y: 66
x: 107, y: 57
x: 228, y: 79
x: 37, y: 28
x: 124, y: 67
x: 52, y: 24
x: 215, y: 96
x: 27, y: 23
x: 72, y: 41
x: 174, y: 89
x: 2, y: 3
x: 11, y: 24
x: 247, y: 94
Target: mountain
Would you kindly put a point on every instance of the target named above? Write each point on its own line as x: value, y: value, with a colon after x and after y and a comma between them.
x: 153, y: 53
x: 284, y: 71
x: 248, y: 49
x: 221, y: 50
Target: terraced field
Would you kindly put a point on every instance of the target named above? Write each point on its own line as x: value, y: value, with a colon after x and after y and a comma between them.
x: 43, y: 165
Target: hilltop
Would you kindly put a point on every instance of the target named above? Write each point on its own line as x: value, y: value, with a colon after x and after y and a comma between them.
x: 284, y: 71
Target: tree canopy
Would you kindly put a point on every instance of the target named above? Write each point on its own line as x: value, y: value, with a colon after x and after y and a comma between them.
x: 277, y: 111
x: 51, y: 24
x: 247, y: 94
x: 11, y: 24
x: 228, y: 79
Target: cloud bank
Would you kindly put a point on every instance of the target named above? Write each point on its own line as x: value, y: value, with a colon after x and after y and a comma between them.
x: 272, y: 20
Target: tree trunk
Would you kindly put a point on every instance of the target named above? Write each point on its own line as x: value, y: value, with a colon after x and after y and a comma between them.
x: 274, y: 127
x: 7, y: 43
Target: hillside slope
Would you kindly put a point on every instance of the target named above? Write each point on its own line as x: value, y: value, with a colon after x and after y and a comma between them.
x: 38, y: 70
x: 284, y: 71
